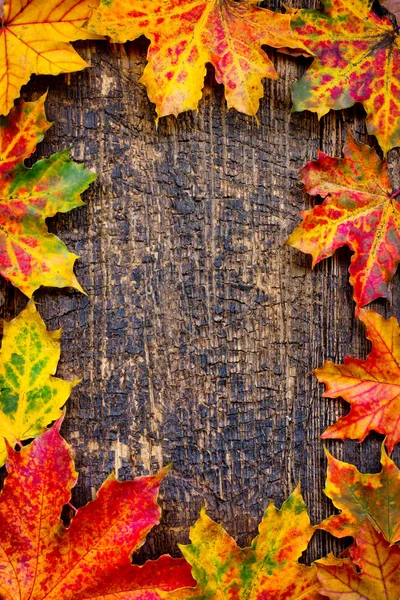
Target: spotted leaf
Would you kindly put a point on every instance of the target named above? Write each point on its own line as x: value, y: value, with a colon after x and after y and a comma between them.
x: 186, y: 34
x: 40, y: 559
x: 359, y: 210
x: 357, y: 59
x: 30, y: 396
x: 29, y: 255
x: 268, y: 569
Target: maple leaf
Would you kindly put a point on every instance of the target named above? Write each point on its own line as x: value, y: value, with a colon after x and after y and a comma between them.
x: 186, y: 34
x: 30, y: 397
x: 379, y: 563
x: 40, y: 559
x: 356, y: 60
x: 359, y: 210
x: 268, y: 569
x: 29, y: 255
x: 363, y: 497
x: 371, y: 386
x: 34, y: 38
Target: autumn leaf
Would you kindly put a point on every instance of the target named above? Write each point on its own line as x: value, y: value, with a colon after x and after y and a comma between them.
x: 29, y: 255
x: 186, y: 34
x: 30, y: 397
x: 356, y: 60
x: 268, y: 569
x: 359, y: 210
x: 34, y: 38
x: 40, y: 559
x: 379, y: 576
x: 371, y: 386
x: 363, y: 497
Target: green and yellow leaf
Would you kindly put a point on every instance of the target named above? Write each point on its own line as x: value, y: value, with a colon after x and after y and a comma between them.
x: 268, y: 569
x: 30, y: 256
x: 30, y: 396
x: 363, y: 498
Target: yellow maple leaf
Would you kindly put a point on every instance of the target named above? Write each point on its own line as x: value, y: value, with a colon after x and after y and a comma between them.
x: 30, y: 396
x: 34, y: 38
x: 185, y: 35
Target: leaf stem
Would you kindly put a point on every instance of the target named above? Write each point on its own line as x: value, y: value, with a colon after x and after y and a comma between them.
x: 395, y: 194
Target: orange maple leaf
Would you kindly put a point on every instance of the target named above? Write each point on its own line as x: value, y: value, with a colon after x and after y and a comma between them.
x: 34, y: 38
x: 379, y: 564
x: 40, y: 559
x: 186, y: 34
x: 371, y: 386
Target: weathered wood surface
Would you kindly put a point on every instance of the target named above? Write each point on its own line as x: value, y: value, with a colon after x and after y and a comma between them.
x: 200, y: 330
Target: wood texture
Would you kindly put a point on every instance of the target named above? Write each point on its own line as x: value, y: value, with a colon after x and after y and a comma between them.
x: 200, y: 329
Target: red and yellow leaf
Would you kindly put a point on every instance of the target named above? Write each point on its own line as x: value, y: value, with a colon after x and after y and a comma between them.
x: 185, y: 35
x: 267, y: 570
x: 34, y: 38
x: 363, y: 497
x: 357, y: 59
x: 40, y: 559
x: 30, y: 397
x: 359, y: 210
x: 371, y: 386
x: 379, y: 563
x: 29, y: 255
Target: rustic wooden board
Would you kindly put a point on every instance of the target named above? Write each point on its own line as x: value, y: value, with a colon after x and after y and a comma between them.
x: 200, y: 329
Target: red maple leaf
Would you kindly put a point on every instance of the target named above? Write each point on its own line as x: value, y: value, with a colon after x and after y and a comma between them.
x: 359, y: 210
x: 41, y: 559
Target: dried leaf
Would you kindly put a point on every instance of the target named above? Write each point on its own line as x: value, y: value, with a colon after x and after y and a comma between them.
x: 40, y: 559
x: 268, y: 569
x: 357, y: 59
x: 379, y: 563
x: 186, y: 34
x: 34, y: 38
x: 29, y: 255
x: 363, y: 497
x: 359, y: 210
x: 371, y: 386
x: 30, y: 397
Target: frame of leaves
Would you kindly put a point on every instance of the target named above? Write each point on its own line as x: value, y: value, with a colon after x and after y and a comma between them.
x: 356, y: 59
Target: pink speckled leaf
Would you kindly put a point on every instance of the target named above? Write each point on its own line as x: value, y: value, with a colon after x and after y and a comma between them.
x: 359, y: 210
x: 357, y: 59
